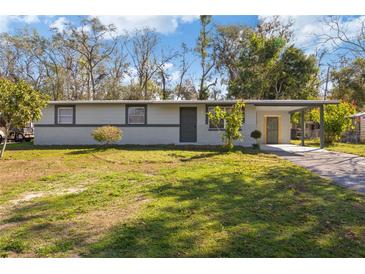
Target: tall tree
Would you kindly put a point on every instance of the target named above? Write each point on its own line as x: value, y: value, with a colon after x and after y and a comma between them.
x: 19, y: 104
x: 19, y: 58
x: 89, y: 40
x: 142, y: 48
x: 349, y: 83
x: 227, y: 49
x: 294, y: 76
x: 207, y: 57
x: 273, y: 26
x: 184, y: 66
x: 258, y: 57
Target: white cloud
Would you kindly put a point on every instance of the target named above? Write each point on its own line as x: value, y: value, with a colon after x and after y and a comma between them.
x: 4, y: 23
x: 59, y: 24
x: 307, y: 29
x: 162, y: 24
x: 6, y: 20
x: 168, y: 65
x: 30, y: 19
x: 175, y: 75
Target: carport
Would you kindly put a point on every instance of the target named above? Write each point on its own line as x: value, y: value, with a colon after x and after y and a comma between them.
x: 292, y: 106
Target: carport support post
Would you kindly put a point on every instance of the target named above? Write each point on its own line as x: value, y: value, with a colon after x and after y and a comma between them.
x: 302, y: 126
x: 321, y: 124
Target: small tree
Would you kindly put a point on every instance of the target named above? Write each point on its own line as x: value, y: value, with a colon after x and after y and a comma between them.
x: 256, y: 134
x: 19, y: 105
x: 107, y: 134
x: 336, y: 120
x: 233, y: 122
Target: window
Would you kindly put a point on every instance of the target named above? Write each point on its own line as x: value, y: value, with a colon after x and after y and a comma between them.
x: 65, y: 115
x: 136, y: 115
x: 222, y: 122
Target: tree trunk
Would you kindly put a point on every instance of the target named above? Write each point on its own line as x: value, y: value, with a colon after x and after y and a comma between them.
x: 92, y: 86
x: 4, y: 147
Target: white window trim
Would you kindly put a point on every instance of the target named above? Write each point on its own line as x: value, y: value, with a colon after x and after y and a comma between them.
x: 136, y: 123
x: 71, y: 115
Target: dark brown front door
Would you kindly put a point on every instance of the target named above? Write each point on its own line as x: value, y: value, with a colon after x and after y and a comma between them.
x: 272, y: 130
x: 188, y: 118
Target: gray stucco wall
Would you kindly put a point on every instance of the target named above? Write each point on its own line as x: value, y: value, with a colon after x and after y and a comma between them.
x: 155, y: 132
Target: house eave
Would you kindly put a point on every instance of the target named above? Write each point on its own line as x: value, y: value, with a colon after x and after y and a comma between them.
x: 298, y: 103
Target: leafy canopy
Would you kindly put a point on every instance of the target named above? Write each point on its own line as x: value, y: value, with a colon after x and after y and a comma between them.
x: 233, y: 122
x: 268, y: 68
x: 336, y: 120
x: 349, y: 83
x: 19, y: 104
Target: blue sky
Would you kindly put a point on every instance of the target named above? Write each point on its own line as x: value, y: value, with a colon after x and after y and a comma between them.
x: 173, y: 30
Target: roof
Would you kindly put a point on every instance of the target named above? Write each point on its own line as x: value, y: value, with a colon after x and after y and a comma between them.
x: 304, y: 103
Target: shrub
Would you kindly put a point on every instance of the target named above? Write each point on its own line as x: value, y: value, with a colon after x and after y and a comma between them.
x: 256, y: 134
x: 107, y: 134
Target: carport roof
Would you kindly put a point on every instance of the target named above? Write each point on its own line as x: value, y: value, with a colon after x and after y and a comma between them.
x: 294, y: 103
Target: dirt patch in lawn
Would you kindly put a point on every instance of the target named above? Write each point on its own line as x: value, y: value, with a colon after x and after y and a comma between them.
x: 96, y: 223
x: 30, y: 196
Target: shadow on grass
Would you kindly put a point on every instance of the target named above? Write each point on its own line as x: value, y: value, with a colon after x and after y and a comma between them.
x: 84, y: 149
x: 285, y: 212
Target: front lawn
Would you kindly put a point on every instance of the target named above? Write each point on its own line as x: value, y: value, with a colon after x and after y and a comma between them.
x: 170, y: 202
x: 357, y: 149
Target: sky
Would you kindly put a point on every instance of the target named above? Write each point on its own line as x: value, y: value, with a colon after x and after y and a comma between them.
x: 173, y: 30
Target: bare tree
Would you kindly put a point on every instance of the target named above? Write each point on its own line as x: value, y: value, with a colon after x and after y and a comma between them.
x: 117, y: 72
x: 336, y: 36
x: 142, y: 49
x: 18, y: 58
x: 184, y: 66
x: 89, y: 40
x: 275, y: 26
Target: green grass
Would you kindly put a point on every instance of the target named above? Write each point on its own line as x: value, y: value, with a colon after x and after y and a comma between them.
x: 171, y: 202
x: 357, y: 149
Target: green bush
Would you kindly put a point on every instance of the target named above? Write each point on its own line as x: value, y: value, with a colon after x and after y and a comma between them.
x: 107, y: 134
x: 256, y: 134
x: 336, y: 120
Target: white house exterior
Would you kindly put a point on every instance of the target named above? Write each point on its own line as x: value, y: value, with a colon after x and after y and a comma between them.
x: 146, y: 122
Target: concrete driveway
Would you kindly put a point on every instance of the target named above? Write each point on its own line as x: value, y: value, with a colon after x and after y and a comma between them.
x: 346, y: 169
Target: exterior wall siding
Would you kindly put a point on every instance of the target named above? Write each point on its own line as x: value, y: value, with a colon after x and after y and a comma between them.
x: 82, y: 135
x: 48, y: 116
x: 162, y: 125
x: 100, y: 114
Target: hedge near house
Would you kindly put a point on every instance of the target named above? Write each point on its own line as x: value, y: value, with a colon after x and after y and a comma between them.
x: 107, y: 134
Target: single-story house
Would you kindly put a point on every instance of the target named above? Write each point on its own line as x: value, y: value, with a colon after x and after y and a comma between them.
x: 147, y: 122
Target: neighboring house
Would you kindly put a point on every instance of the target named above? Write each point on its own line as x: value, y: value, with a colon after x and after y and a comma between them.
x: 358, y: 120
x: 147, y: 122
